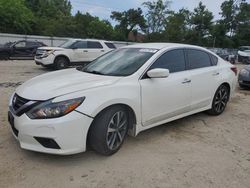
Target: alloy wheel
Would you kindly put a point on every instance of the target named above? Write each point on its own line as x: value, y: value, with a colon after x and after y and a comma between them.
x: 117, y: 129
x: 221, y: 99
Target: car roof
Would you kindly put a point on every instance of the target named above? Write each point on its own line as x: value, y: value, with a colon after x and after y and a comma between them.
x: 162, y: 45
x: 89, y: 40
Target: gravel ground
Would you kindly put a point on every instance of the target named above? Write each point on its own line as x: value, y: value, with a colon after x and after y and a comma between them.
x: 197, y: 151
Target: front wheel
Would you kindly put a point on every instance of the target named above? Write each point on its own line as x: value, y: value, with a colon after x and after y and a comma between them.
x: 220, y: 100
x: 108, y: 131
x: 61, y: 63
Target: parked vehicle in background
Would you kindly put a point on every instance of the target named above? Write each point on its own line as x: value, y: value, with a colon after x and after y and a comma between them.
x: 128, y: 90
x: 23, y: 49
x: 71, y: 52
x: 244, y: 54
x: 226, y: 54
x: 244, y: 77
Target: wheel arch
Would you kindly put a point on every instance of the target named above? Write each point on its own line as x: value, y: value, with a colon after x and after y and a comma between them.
x: 129, y: 109
x: 61, y: 55
x: 131, y: 114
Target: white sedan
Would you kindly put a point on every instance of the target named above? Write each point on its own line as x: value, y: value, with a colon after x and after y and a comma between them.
x: 128, y: 90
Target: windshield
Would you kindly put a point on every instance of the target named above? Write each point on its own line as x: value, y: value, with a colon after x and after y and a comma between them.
x: 244, y: 48
x: 67, y: 44
x: 121, y: 62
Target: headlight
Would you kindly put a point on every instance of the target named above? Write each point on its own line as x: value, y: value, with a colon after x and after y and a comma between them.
x: 47, y: 53
x: 244, y: 72
x: 49, y: 109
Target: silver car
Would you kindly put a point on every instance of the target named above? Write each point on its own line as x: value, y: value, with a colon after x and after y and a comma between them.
x: 244, y: 77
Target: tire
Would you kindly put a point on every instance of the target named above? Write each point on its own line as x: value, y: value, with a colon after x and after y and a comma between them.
x: 220, y: 100
x: 108, y: 131
x: 243, y: 86
x: 61, y: 63
x: 4, y: 56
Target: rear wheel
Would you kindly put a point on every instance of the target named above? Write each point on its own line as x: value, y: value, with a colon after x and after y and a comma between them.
x: 61, y: 63
x: 220, y: 100
x: 108, y: 130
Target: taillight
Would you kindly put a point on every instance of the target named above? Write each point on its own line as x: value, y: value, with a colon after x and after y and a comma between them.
x: 234, y: 69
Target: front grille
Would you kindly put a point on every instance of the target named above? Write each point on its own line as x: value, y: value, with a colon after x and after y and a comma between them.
x: 246, y: 82
x: 18, y: 102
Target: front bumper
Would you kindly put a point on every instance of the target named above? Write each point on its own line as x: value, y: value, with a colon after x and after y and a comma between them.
x: 49, y: 60
x: 244, y: 80
x: 69, y: 132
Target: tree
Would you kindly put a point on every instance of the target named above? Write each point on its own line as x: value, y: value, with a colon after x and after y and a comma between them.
x: 243, y: 24
x: 50, y: 8
x: 201, y: 21
x: 229, y: 11
x: 177, y: 26
x: 46, y: 12
x: 100, y: 29
x: 15, y: 17
x: 157, y: 12
x: 129, y: 20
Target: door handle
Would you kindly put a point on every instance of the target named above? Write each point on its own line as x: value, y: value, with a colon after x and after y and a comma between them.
x: 216, y: 74
x: 102, y: 50
x: 186, y: 81
x: 85, y: 50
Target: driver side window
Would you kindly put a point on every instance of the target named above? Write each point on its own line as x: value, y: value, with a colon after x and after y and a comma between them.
x: 172, y: 60
x: 80, y: 44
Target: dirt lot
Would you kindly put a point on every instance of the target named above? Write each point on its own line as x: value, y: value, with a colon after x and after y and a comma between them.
x: 197, y: 151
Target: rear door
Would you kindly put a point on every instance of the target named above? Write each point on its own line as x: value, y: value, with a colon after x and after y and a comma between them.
x: 204, y: 77
x: 95, y: 49
x: 164, y: 98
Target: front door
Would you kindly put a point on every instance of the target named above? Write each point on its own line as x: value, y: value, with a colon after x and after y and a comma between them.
x: 164, y: 98
x: 79, y: 49
x: 20, y: 50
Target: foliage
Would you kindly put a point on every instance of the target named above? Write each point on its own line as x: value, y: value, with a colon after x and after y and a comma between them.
x: 201, y: 23
x: 129, y: 20
x: 157, y: 13
x: 15, y: 17
x: 158, y: 22
x: 180, y: 22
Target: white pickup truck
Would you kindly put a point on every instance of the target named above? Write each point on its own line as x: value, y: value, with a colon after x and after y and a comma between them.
x: 72, y: 52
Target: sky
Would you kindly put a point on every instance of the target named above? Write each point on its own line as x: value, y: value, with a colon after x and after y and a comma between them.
x: 103, y: 8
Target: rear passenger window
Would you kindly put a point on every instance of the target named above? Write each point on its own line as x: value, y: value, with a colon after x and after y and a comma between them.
x: 214, y: 59
x: 92, y: 44
x: 31, y: 44
x: 198, y: 59
x: 173, y: 60
x: 110, y: 45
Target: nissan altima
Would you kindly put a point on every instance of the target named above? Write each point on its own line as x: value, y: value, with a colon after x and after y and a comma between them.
x: 125, y: 91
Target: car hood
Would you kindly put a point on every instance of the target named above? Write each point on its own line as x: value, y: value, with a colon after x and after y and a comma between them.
x: 63, y: 82
x: 50, y: 48
x: 245, y: 53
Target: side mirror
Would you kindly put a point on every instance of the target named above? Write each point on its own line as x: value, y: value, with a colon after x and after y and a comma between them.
x: 158, y: 73
x: 73, y: 47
